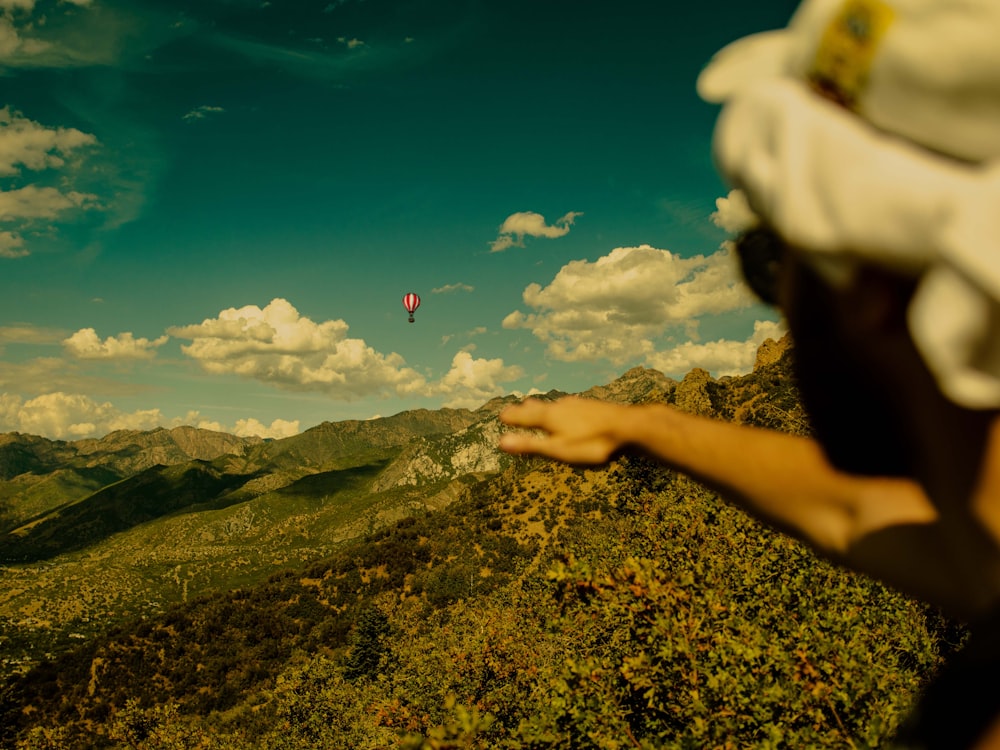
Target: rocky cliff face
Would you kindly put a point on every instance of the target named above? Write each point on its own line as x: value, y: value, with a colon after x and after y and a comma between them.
x: 771, y: 351
x: 637, y: 386
x: 472, y: 450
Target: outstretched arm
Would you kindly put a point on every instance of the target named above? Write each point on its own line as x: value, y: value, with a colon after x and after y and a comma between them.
x: 784, y: 480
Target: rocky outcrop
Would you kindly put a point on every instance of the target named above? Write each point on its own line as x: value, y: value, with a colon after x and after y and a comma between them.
x: 771, y: 351
x: 637, y: 386
x: 692, y: 393
x: 469, y: 451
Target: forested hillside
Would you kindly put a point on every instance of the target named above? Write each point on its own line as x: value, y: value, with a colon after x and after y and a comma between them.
x: 541, y: 606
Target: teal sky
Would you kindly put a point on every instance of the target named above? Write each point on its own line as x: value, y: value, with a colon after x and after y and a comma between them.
x: 210, y: 210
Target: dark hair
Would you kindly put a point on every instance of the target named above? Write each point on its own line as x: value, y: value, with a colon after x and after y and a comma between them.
x: 760, y: 252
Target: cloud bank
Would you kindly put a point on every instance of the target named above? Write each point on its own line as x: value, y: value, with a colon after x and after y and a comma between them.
x: 278, y: 346
x: 74, y: 416
x: 618, y: 306
x: 472, y: 382
x: 722, y: 357
x: 68, y: 416
x: 28, y: 146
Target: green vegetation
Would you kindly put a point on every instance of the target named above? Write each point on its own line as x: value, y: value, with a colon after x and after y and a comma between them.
x: 540, y: 606
x: 658, y: 619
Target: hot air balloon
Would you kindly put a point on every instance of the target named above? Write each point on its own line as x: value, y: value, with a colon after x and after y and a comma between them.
x: 411, y: 302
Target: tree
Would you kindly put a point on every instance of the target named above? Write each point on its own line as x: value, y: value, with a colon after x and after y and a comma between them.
x: 369, y: 645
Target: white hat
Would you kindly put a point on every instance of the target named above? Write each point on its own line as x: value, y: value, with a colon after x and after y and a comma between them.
x: 927, y: 70
x: 869, y: 130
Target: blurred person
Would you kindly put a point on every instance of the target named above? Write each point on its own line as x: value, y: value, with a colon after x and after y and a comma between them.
x: 865, y: 138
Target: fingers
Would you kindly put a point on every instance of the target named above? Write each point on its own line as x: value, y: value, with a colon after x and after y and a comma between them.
x: 529, y: 413
x: 520, y: 442
x: 526, y: 415
x: 562, y: 430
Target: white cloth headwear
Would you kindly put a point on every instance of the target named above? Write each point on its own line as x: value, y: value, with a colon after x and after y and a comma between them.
x: 901, y: 169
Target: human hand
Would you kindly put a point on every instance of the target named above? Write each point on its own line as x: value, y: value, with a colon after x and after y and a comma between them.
x: 574, y: 430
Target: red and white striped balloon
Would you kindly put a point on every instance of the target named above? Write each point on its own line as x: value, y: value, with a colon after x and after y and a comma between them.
x: 411, y: 302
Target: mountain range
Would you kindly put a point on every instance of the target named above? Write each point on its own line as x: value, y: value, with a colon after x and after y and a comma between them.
x: 226, y: 552
x: 107, y: 529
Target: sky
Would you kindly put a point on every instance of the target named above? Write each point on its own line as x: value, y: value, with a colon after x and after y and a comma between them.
x: 210, y: 210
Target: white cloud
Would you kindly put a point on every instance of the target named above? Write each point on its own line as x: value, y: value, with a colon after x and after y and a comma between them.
x: 722, y: 357
x: 472, y: 382
x: 200, y: 113
x: 279, y: 428
x: 32, y: 202
x: 69, y: 416
x: 276, y: 345
x: 453, y: 288
x: 529, y: 224
x: 9, y: 6
x: 13, y: 46
x: 30, y: 334
x: 194, y: 419
x: 733, y: 213
x: 86, y: 344
x: 25, y: 143
x: 615, y: 307
x: 12, y: 245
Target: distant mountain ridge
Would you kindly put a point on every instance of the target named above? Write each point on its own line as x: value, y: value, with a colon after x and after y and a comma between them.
x: 170, y: 470
x: 122, y: 451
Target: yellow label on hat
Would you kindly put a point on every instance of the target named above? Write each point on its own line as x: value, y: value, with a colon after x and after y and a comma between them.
x: 848, y: 48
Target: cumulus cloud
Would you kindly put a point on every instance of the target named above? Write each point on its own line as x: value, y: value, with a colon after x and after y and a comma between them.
x: 279, y: 428
x: 615, y: 307
x: 733, y: 213
x: 529, y: 224
x: 25, y: 143
x: 14, y: 46
x: 278, y: 346
x: 722, y: 357
x: 86, y: 344
x: 70, y: 416
x: 472, y: 382
x: 12, y: 245
x: 33, y: 202
x: 200, y: 113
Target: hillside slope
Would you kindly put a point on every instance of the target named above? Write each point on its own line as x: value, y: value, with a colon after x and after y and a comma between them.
x: 445, y: 594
